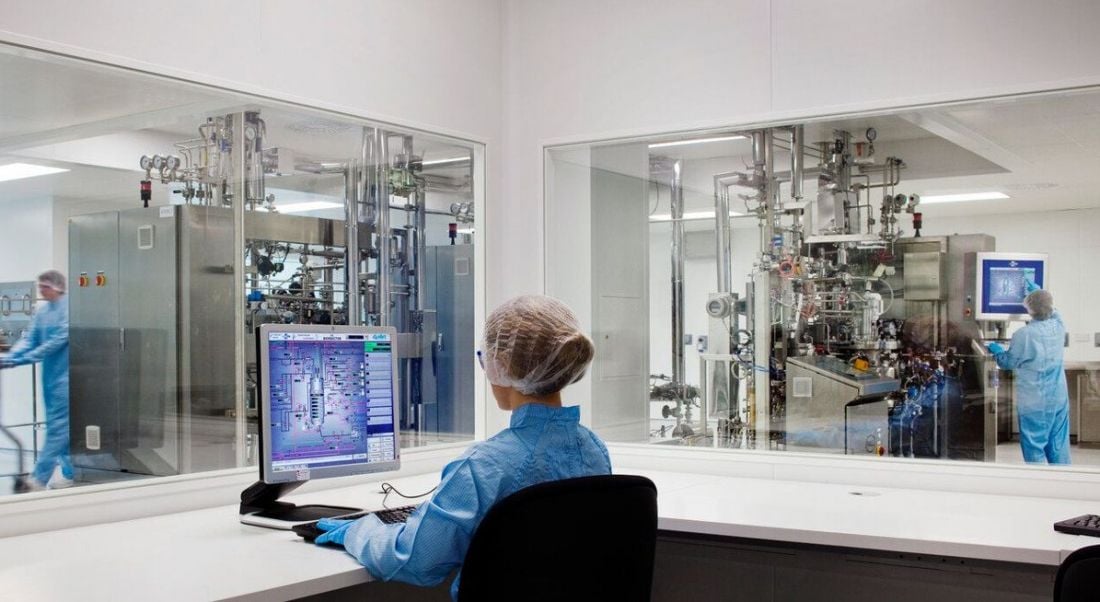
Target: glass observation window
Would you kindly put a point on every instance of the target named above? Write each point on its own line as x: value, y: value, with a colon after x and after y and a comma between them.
x: 835, y: 285
x: 181, y: 219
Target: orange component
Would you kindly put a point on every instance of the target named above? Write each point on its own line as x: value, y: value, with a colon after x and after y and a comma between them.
x: 83, y: 280
x: 861, y: 364
x: 100, y: 279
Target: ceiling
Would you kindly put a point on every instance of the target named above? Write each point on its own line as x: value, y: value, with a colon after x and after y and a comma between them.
x: 1041, y: 151
x: 97, y: 122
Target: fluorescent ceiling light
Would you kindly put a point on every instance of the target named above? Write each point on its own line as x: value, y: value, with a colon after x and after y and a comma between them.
x: 958, y: 198
x: 306, y: 206
x: 18, y: 171
x: 446, y: 161
x: 688, y: 216
x: 695, y: 141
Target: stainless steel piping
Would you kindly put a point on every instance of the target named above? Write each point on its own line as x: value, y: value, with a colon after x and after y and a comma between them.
x: 796, y: 162
x: 421, y: 249
x: 239, y: 187
x: 382, y: 219
x: 676, y: 196
x: 351, y: 242
x: 722, y: 235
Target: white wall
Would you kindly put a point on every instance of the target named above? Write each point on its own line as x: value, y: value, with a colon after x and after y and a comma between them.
x: 432, y: 64
x: 573, y: 69
x: 577, y: 70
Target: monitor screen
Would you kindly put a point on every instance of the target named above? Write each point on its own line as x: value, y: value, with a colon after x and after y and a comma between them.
x: 1002, y: 279
x: 328, y: 401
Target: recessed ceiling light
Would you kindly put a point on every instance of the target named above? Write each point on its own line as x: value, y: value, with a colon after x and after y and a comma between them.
x: 446, y: 161
x: 307, y: 206
x: 958, y: 198
x: 18, y: 171
x: 1031, y: 186
x: 688, y: 216
x: 319, y: 125
x: 695, y: 141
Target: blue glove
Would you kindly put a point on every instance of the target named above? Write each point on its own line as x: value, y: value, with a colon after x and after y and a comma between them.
x: 1030, y: 287
x: 996, y: 348
x: 335, y: 529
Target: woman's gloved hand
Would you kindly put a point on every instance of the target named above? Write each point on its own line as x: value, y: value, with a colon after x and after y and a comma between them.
x: 995, y: 348
x: 335, y: 530
x: 1030, y: 286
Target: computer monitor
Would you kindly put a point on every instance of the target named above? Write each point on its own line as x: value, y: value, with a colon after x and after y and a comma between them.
x: 1001, y: 284
x: 327, y: 401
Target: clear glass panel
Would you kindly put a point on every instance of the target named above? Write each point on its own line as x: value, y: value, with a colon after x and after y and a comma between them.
x: 846, y: 309
x: 159, y: 195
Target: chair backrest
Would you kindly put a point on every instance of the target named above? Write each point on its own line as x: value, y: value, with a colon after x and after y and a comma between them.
x: 1078, y: 576
x: 589, y: 538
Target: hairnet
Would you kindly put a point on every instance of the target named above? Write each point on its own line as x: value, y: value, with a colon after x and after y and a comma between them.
x: 1040, y: 304
x: 534, y: 345
x: 53, y: 278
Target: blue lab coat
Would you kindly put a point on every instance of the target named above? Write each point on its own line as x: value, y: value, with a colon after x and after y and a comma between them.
x: 541, y: 444
x: 47, y: 341
x: 1042, y: 399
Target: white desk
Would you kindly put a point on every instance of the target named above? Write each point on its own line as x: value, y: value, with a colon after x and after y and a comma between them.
x: 207, y: 554
x: 199, y: 555
x: 987, y: 527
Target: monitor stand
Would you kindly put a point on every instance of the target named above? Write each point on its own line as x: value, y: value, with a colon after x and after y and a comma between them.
x: 260, y: 506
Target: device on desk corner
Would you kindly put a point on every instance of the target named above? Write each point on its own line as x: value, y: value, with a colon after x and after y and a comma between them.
x: 389, y: 516
x: 1086, y: 524
x: 327, y: 408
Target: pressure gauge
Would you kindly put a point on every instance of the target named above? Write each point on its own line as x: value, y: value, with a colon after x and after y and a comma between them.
x: 871, y: 134
x: 719, y: 307
x: 146, y: 162
x: 158, y: 162
x: 172, y: 161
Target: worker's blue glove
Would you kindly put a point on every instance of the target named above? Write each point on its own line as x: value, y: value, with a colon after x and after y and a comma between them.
x: 1030, y: 286
x: 996, y: 348
x: 335, y: 529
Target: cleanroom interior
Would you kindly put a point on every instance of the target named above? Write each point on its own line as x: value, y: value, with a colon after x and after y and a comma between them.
x: 875, y: 322
x: 139, y: 211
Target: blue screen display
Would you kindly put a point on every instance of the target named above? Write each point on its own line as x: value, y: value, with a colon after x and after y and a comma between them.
x: 330, y: 400
x: 1003, y: 284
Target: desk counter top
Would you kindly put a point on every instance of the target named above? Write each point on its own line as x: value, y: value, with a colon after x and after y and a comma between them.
x: 208, y: 555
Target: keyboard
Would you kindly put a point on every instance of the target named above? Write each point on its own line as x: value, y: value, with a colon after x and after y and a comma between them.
x: 1087, y: 524
x: 389, y: 516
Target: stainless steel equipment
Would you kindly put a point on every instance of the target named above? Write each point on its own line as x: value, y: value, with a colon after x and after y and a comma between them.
x: 833, y: 406
x: 449, y: 297
x: 153, y: 385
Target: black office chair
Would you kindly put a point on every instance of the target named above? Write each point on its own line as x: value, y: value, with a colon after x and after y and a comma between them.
x: 589, y: 538
x: 1078, y: 577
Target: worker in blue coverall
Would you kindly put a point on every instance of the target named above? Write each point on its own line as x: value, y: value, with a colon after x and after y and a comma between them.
x: 47, y: 341
x: 1042, y: 399
x: 533, y: 349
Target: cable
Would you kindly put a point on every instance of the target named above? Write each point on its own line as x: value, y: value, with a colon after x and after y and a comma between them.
x: 388, y: 488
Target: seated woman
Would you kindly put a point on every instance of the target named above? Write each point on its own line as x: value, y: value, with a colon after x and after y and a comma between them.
x: 533, y: 349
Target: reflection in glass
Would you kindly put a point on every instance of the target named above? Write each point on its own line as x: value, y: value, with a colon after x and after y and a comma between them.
x: 788, y: 287
x: 185, y: 220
